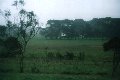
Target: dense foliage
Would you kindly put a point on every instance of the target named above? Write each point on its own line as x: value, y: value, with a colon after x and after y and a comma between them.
x: 78, y: 28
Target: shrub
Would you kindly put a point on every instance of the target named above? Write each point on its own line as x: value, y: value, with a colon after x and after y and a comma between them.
x: 81, y: 56
x: 50, y: 55
x: 59, y: 56
x: 34, y: 69
x: 69, y: 56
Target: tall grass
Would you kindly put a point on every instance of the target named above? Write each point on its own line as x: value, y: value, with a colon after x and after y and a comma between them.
x: 58, y: 59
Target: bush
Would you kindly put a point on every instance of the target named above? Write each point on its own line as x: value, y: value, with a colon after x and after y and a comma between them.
x: 3, y: 50
x: 50, y: 55
x: 59, y: 56
x: 10, y: 47
x: 81, y: 56
x: 69, y: 56
x: 34, y: 69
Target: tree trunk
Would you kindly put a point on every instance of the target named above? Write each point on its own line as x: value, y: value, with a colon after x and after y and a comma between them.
x: 21, y: 63
x: 22, y: 59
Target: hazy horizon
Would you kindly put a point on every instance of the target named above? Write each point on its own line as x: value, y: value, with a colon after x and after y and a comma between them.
x: 68, y: 9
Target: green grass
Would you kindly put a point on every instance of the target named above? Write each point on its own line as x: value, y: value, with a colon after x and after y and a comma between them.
x: 96, y: 66
x: 26, y: 76
x: 38, y: 47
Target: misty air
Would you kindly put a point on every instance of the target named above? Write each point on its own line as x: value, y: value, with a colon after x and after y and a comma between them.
x: 59, y: 40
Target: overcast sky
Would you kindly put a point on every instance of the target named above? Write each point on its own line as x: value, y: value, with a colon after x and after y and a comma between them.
x: 68, y: 9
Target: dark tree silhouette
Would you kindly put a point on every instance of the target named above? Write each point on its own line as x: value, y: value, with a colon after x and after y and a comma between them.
x: 114, y: 45
x: 13, y: 46
x: 2, y: 31
x: 2, y: 48
x: 78, y: 28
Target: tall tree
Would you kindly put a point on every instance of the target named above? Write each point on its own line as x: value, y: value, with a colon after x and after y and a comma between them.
x: 25, y: 27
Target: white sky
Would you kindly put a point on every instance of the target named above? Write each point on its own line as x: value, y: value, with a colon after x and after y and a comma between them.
x: 68, y: 9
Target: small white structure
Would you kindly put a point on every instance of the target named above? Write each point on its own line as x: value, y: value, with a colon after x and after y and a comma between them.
x: 63, y: 35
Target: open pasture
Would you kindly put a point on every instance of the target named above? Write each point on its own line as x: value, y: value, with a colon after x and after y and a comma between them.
x: 41, y: 61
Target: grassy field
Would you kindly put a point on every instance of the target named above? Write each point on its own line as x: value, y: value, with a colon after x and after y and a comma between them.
x: 41, y: 62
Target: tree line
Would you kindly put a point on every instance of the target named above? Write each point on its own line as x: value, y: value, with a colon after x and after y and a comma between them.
x: 76, y: 29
